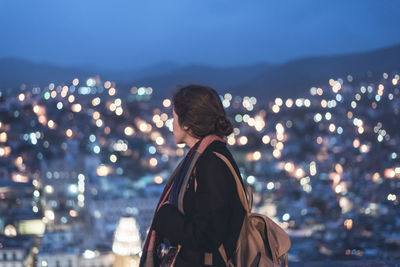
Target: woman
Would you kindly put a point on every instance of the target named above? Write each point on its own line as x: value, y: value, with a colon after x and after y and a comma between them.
x: 199, y: 210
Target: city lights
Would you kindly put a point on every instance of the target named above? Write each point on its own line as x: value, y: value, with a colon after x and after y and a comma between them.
x: 76, y: 107
x: 166, y: 103
x: 266, y: 139
x: 102, y: 170
x: 3, y: 137
x: 317, y: 161
x: 129, y: 131
x: 243, y: 140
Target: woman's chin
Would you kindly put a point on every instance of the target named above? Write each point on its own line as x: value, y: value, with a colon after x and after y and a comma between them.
x: 177, y: 142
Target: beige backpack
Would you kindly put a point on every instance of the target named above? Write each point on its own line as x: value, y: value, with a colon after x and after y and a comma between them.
x: 261, y: 241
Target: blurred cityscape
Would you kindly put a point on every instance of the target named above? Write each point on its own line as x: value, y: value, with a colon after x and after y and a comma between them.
x: 82, y: 166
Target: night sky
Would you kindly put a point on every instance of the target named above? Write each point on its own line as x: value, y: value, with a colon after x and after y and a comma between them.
x: 120, y: 34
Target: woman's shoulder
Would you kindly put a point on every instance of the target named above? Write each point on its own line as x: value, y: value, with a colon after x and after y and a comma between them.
x: 210, y: 161
x: 212, y: 173
x: 216, y: 146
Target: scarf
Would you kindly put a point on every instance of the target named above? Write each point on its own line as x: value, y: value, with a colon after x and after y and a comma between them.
x: 178, y: 180
x: 174, y: 191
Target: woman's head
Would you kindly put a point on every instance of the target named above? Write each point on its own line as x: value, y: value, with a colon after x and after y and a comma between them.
x: 200, y: 112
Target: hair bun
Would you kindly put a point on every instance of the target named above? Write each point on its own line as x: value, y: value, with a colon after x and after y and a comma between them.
x: 223, y: 125
x: 221, y: 119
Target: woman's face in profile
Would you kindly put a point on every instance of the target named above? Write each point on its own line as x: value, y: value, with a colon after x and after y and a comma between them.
x: 179, y: 132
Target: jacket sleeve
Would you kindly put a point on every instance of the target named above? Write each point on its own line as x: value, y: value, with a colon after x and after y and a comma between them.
x: 206, y: 228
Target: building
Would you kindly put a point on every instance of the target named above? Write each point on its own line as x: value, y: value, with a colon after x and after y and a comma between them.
x: 17, y: 251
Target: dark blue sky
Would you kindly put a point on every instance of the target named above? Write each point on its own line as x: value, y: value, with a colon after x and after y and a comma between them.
x: 118, y: 34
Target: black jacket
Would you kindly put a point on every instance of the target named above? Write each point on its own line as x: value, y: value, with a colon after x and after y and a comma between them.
x: 213, y: 214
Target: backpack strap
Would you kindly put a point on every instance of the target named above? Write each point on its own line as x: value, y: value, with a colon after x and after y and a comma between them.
x: 208, y: 257
x: 222, y: 251
x: 250, y: 195
x: 242, y: 195
x: 238, y: 183
x: 247, y: 205
x: 194, y: 178
x: 286, y: 260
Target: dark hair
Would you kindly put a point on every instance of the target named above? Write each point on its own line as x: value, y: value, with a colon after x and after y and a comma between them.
x: 200, y: 109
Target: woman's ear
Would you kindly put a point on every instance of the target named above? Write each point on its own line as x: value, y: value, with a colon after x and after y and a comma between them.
x: 188, y: 130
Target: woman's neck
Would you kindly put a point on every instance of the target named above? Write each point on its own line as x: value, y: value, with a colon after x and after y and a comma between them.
x: 191, y: 141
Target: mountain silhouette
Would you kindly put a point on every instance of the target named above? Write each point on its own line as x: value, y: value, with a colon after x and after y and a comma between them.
x: 296, y: 77
x: 293, y: 78
x: 222, y: 79
x: 14, y: 72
